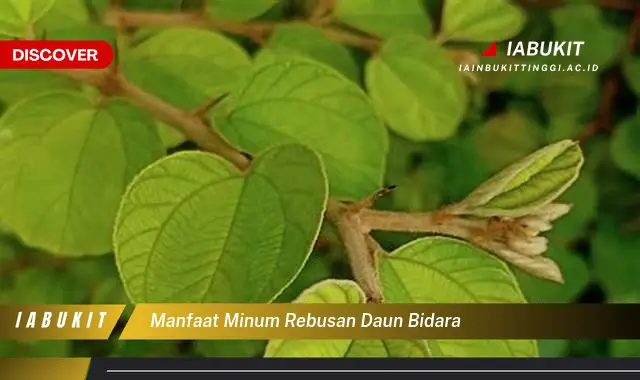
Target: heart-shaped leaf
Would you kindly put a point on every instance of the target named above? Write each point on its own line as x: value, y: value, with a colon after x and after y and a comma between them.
x: 345, y: 292
x: 193, y: 229
x: 339, y: 121
x: 528, y: 184
x: 65, y: 165
x: 480, y: 20
x: 445, y: 270
x: 416, y: 88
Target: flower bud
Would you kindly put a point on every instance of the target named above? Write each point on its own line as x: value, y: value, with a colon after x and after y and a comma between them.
x: 553, y: 211
x: 535, y: 224
x: 534, y: 246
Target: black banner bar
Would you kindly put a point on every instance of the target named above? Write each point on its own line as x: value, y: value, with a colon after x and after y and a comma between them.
x: 160, y: 368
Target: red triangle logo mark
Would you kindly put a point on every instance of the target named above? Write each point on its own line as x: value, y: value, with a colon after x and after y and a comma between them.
x: 491, y: 51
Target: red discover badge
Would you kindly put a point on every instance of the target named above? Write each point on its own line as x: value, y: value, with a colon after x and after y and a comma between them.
x: 55, y: 55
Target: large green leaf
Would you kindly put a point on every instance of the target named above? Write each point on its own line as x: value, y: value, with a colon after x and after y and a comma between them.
x: 445, y: 270
x: 310, y: 42
x: 187, y: 67
x: 480, y: 20
x: 193, y: 229
x: 342, y: 292
x: 66, y: 163
x: 235, y: 10
x: 17, y: 17
x: 385, y: 18
x: 299, y: 100
x: 528, y: 184
x: 416, y: 88
x: 625, y: 146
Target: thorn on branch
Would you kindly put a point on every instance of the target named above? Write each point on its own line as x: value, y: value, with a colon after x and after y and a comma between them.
x: 370, y: 200
x: 202, y: 112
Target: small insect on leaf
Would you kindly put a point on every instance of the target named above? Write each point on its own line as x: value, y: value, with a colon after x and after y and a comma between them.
x: 527, y: 185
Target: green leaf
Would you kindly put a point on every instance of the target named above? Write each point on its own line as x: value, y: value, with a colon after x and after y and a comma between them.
x: 631, y: 71
x: 575, y: 273
x: 625, y: 146
x: 310, y: 42
x: 66, y: 163
x: 602, y: 44
x: 417, y: 88
x: 615, y: 257
x: 528, y: 184
x: 480, y: 20
x: 445, y: 270
x: 16, y: 85
x: 324, y: 110
x: 385, y: 18
x: 193, y: 229
x: 18, y: 16
x: 342, y: 292
x: 71, y: 20
x: 238, y: 10
x: 191, y: 75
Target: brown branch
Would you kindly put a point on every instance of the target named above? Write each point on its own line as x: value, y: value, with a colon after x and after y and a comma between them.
x: 193, y: 128
x: 256, y: 31
x: 355, y: 240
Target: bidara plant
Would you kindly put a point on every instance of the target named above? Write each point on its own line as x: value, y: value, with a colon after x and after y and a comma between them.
x: 288, y: 142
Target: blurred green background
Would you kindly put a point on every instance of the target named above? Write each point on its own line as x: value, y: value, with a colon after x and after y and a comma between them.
x: 597, y: 245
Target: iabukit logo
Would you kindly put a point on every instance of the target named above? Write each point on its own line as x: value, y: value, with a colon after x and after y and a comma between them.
x: 533, y: 49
